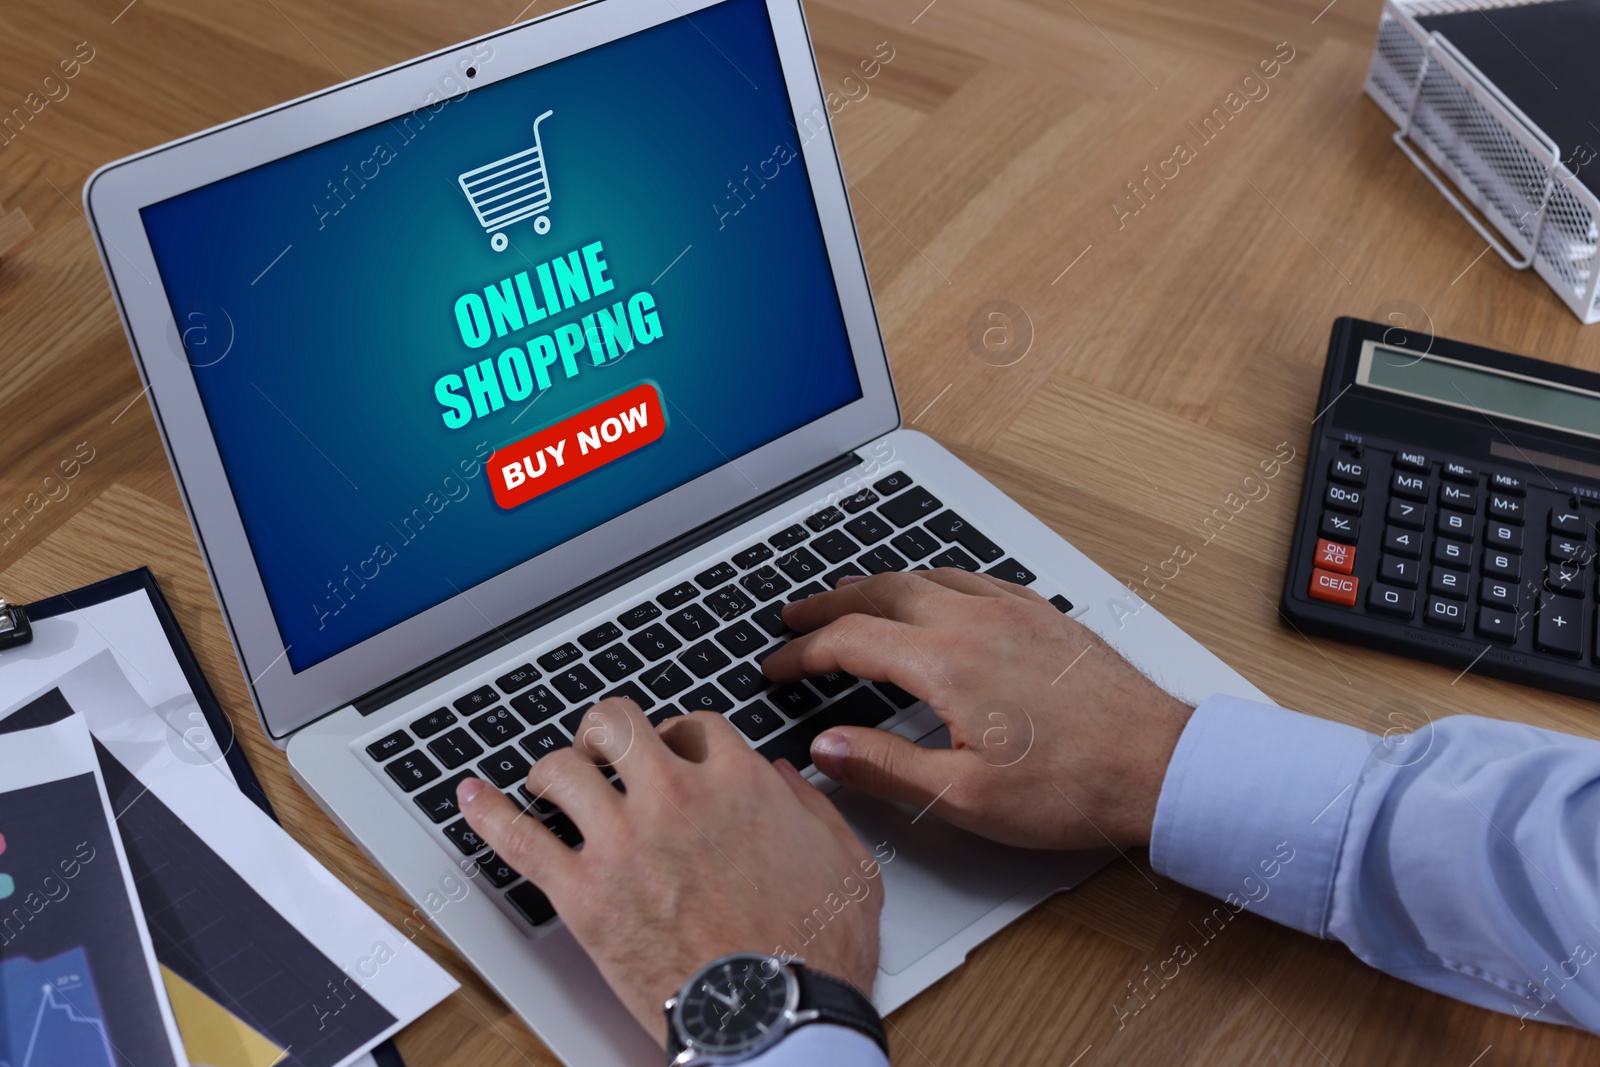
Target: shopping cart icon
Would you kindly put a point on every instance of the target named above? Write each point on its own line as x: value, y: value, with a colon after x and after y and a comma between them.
x: 510, y: 190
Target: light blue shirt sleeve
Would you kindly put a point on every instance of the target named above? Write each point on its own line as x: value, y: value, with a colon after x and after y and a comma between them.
x: 1461, y: 857
x: 823, y: 1043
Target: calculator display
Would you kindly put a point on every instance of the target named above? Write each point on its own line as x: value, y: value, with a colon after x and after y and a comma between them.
x: 1481, y: 389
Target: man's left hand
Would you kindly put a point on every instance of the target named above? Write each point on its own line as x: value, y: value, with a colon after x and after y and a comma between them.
x: 711, y: 850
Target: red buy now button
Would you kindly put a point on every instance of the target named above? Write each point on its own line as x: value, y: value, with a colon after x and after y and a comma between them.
x: 575, y: 446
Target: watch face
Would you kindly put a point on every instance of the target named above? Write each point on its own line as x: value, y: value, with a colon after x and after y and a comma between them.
x: 735, y: 1004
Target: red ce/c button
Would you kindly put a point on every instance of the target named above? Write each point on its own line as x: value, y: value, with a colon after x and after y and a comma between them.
x: 1334, y: 588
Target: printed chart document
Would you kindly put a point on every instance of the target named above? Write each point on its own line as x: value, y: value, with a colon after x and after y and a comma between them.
x: 267, y: 958
x: 79, y: 982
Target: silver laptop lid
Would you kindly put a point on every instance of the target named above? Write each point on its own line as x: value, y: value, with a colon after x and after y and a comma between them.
x: 434, y: 347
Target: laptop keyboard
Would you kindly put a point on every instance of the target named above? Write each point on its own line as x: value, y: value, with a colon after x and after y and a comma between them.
x: 696, y: 646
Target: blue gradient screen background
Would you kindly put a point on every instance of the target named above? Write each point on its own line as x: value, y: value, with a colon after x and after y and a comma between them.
x: 354, y: 495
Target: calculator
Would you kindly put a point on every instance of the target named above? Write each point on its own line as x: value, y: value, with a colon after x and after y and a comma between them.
x: 1450, y: 506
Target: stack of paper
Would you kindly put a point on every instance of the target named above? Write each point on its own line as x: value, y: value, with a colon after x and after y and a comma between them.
x: 262, y: 957
x: 78, y: 976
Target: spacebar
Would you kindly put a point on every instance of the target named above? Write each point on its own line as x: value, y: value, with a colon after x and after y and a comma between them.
x: 862, y: 707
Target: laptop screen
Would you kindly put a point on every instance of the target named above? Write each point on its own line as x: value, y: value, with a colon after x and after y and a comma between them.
x: 435, y: 348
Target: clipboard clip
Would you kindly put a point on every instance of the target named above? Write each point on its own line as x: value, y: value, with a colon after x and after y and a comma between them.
x: 14, y: 626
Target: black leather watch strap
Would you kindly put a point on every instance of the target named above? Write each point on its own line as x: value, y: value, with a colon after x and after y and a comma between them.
x: 837, y: 1001
x: 674, y: 1046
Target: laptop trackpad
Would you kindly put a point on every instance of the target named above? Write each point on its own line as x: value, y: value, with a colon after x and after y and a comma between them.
x: 940, y: 880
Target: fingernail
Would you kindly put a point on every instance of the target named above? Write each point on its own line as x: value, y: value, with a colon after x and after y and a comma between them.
x: 468, y: 791
x: 828, y: 752
x: 851, y: 579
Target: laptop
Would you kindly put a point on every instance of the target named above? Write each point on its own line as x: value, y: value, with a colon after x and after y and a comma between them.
x: 543, y: 368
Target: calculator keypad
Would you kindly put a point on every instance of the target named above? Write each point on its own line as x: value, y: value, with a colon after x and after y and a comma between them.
x: 1489, y: 557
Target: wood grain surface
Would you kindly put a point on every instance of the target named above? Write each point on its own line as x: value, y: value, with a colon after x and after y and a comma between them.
x: 1163, y: 353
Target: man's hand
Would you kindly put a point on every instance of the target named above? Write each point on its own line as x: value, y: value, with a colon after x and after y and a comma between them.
x: 1056, y: 741
x: 711, y: 850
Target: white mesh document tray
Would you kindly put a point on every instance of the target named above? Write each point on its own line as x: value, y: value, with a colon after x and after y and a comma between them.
x: 1455, y: 124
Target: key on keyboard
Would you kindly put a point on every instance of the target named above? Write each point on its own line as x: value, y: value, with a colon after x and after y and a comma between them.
x: 952, y: 527
x: 433, y: 722
x: 399, y: 741
x: 756, y: 720
x: 478, y: 700
x: 637, y: 617
x: 861, y: 708
x: 679, y: 594
x: 497, y: 727
x: 856, y: 501
x: 454, y: 748
x: 537, y: 704
x: 910, y: 508
x: 505, y: 768
x: 692, y: 622
x: 667, y: 679
x: 617, y: 662
x: 438, y: 802
x: 705, y: 659
x: 543, y: 741
x: 412, y: 771
x: 707, y: 698
x: 520, y: 678
x: 600, y: 636
x: 728, y: 603
x: 882, y: 559
x: 559, y: 657
x: 786, y: 539
x: 742, y: 638
x: 869, y: 529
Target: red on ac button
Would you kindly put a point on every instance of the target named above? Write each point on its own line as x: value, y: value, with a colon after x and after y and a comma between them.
x: 1334, y: 588
x: 1332, y: 556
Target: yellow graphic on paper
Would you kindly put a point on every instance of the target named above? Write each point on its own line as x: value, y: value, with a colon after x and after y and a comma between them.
x: 212, y: 1035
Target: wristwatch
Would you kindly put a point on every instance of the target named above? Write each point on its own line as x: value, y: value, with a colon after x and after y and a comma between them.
x: 740, y: 1005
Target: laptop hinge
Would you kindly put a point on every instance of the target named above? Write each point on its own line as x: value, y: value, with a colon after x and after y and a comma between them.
x: 501, y: 636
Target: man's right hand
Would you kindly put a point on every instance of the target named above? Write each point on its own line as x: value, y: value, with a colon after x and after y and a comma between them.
x: 1056, y: 741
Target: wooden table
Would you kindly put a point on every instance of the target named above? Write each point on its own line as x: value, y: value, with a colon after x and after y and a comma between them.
x: 1165, y: 353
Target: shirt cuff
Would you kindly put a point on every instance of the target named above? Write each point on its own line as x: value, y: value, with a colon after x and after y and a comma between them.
x: 1254, y: 806
x: 838, y: 1046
